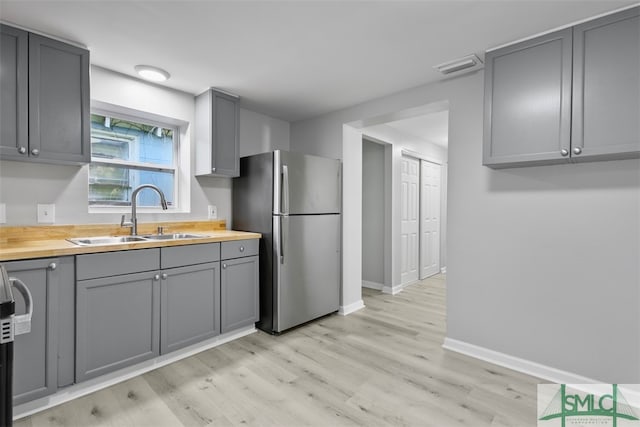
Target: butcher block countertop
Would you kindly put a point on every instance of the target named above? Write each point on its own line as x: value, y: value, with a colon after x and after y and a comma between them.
x: 49, y: 241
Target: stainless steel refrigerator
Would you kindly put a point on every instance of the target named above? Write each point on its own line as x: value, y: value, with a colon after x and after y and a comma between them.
x: 294, y: 201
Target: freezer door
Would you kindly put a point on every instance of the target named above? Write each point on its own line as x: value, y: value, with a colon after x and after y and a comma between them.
x: 307, y: 268
x: 305, y: 184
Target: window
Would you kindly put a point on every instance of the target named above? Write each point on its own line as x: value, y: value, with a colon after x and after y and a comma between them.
x: 127, y: 152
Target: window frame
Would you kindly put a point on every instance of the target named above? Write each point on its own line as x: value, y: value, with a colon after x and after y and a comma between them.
x: 180, y: 186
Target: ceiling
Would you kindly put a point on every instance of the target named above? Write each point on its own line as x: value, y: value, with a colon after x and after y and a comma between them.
x: 293, y: 60
x: 432, y: 127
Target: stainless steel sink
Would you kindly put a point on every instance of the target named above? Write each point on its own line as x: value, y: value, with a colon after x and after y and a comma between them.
x: 176, y: 236
x: 106, y: 240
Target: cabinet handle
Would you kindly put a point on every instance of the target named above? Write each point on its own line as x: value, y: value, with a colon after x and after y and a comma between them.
x: 213, y: 169
x: 35, y: 151
x: 165, y: 275
x: 53, y: 266
x: 564, y: 152
x: 577, y: 150
x: 156, y: 277
x: 241, y: 248
x: 22, y: 150
x: 224, y: 266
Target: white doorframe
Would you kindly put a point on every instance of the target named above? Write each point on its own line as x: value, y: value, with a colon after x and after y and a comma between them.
x: 430, y: 215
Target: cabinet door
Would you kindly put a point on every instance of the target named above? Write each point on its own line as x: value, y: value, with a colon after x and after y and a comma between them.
x: 14, y: 53
x: 606, y: 87
x: 239, y: 293
x: 35, y: 354
x: 117, y: 322
x: 190, y: 305
x: 58, y: 101
x: 528, y: 102
x: 225, y: 120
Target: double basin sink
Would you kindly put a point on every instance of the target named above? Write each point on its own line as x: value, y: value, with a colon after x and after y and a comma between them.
x: 115, y: 240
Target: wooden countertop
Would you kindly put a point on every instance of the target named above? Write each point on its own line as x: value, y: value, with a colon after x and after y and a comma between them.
x: 18, y: 243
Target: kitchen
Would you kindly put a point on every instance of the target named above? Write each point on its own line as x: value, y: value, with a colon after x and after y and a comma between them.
x: 564, y: 199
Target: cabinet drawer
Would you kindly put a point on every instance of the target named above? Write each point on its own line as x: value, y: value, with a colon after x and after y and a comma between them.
x: 92, y: 266
x: 178, y: 256
x: 239, y: 248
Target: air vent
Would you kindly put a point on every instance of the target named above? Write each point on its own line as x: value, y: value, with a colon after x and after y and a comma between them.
x: 465, y: 63
x: 6, y: 330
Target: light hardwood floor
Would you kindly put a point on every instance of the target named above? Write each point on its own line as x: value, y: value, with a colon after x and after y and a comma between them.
x: 383, y: 365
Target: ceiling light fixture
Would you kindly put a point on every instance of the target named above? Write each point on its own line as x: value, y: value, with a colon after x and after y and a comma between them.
x: 467, y: 62
x: 154, y: 74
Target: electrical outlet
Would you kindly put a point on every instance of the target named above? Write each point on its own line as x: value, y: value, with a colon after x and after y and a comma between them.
x: 46, y: 214
x: 213, y: 212
x: 3, y: 213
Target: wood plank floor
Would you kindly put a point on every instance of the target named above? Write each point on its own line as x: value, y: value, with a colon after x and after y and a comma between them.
x: 383, y: 365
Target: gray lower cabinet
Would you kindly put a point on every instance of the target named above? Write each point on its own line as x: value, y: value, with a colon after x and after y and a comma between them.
x: 217, y: 129
x: 606, y: 87
x: 239, y: 285
x: 42, y: 359
x: 117, y: 315
x: 45, y: 99
x: 568, y: 96
x: 190, y: 305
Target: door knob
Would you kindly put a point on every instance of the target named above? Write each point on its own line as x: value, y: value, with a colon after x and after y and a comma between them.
x: 164, y: 275
x: 156, y: 277
x: 564, y: 152
x: 35, y: 151
x: 224, y: 266
x: 22, y: 150
x: 577, y: 150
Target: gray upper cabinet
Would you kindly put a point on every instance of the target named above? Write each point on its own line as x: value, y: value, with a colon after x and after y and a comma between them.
x: 217, y: 128
x: 45, y: 98
x: 568, y: 96
x: 528, y: 102
x: 14, y: 110
x: 606, y: 87
x: 35, y: 370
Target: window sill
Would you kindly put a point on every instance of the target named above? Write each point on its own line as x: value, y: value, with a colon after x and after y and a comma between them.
x: 127, y: 210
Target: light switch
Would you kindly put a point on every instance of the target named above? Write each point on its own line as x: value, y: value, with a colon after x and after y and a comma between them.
x: 3, y: 213
x: 213, y: 212
x: 46, y: 214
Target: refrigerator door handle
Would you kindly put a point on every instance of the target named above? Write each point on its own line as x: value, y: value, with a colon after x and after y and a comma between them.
x: 285, y: 190
x: 284, y: 226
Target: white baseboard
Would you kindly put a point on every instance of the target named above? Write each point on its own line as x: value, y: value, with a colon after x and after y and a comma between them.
x: 86, y: 387
x: 443, y: 270
x: 345, y: 310
x: 372, y: 285
x: 517, y: 364
x: 393, y: 290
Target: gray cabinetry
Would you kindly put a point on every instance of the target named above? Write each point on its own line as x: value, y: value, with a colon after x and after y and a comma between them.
x: 45, y: 98
x: 606, y: 87
x: 239, y: 285
x: 190, y: 305
x: 217, y: 129
x: 35, y: 371
x: 118, y: 317
x: 528, y: 102
x: 14, y: 112
x: 190, y: 301
x: 568, y: 96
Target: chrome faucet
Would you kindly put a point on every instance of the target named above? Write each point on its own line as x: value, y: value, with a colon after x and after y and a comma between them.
x: 134, y: 219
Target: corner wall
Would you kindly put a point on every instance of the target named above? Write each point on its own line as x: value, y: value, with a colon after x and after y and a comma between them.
x: 542, y: 262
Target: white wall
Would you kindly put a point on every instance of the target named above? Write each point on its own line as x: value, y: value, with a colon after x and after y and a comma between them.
x: 542, y: 261
x: 373, y: 218
x: 23, y: 185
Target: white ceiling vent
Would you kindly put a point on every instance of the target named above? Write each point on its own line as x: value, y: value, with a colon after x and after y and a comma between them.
x: 466, y: 63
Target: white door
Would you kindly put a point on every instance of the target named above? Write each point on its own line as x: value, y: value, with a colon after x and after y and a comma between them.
x: 409, y: 231
x: 429, y: 218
